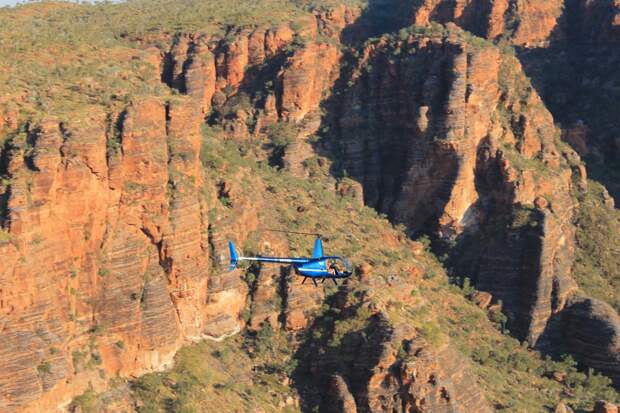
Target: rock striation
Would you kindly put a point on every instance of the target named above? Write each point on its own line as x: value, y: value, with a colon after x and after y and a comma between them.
x: 524, y: 23
x: 120, y: 223
x: 300, y: 67
x: 441, y: 131
x: 383, y: 365
x: 591, y: 330
x: 440, y: 139
x: 118, y: 207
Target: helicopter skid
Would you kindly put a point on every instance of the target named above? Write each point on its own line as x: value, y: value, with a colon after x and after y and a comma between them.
x: 334, y: 278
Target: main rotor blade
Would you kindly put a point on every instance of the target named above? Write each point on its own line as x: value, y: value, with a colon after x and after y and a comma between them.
x: 316, y: 234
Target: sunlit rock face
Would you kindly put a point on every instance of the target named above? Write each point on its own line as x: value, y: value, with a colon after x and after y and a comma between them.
x: 438, y: 131
x: 114, y: 260
x: 115, y: 250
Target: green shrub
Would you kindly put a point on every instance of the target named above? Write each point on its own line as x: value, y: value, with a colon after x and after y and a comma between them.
x: 45, y: 367
x: 598, y: 234
x: 88, y: 402
x: 281, y: 134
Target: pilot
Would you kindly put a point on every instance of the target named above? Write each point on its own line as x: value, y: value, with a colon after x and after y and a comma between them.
x: 333, y: 268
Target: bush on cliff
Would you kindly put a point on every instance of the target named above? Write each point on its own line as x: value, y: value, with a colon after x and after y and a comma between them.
x: 598, y: 240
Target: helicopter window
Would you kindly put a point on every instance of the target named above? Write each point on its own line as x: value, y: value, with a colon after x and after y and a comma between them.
x: 334, y: 266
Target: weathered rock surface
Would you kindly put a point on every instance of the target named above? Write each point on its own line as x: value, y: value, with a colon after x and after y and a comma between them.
x: 591, y: 331
x: 602, y: 406
x: 448, y: 160
x: 443, y: 134
x: 388, y: 367
x: 302, y: 301
x: 309, y: 74
x: 267, y: 304
x: 211, y: 70
x: 122, y: 229
x: 340, y: 398
x: 525, y: 23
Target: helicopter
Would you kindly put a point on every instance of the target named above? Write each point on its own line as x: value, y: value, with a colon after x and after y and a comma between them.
x: 317, y: 267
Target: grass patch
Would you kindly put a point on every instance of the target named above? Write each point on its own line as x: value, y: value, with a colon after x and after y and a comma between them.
x: 87, y: 402
x: 45, y: 367
x: 597, y: 257
x: 220, y: 372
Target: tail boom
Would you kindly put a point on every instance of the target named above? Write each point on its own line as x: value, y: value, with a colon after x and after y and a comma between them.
x: 235, y: 258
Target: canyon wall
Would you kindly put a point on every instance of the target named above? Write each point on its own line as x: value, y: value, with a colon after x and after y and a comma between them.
x: 568, y: 48
x: 114, y: 248
x: 116, y: 237
x: 117, y: 249
x: 448, y: 137
x: 381, y: 362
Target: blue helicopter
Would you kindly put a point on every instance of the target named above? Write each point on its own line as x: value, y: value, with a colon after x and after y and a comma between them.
x: 317, y: 267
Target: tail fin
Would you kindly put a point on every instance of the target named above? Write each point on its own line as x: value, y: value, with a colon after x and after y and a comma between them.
x: 234, y: 258
x: 318, y: 248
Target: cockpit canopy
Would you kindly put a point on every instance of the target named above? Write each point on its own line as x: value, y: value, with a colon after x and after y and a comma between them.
x: 338, y: 264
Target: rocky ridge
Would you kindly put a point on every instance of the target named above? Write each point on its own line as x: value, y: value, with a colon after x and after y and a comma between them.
x: 551, y: 38
x: 133, y: 232
x: 454, y: 168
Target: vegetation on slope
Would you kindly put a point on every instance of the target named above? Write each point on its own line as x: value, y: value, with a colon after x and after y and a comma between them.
x: 598, y: 239
x: 256, y: 370
x: 250, y: 371
x: 62, y: 56
x: 220, y: 377
x: 56, y: 57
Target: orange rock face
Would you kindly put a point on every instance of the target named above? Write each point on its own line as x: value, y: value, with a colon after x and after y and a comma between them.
x: 108, y: 269
x: 537, y: 22
x: 302, y: 302
x: 200, y: 78
x: 443, y: 167
x: 121, y: 233
x: 309, y: 73
x: 237, y: 58
x: 391, y: 367
x: 604, y: 407
x: 211, y: 70
x: 276, y: 39
x: 526, y: 23
x: 497, y: 22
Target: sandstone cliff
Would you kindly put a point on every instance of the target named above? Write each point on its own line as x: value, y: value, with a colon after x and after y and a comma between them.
x: 561, y: 45
x: 119, y: 224
x: 569, y: 48
x: 114, y: 216
x: 440, y: 137
x: 368, y: 362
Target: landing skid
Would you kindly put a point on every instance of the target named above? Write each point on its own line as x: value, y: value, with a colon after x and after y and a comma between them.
x: 322, y: 280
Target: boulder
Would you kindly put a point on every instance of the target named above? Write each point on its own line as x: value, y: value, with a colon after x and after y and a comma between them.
x: 602, y: 406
